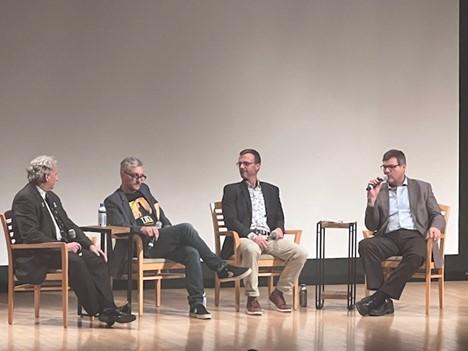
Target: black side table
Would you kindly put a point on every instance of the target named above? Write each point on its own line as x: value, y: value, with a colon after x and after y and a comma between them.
x: 320, y: 293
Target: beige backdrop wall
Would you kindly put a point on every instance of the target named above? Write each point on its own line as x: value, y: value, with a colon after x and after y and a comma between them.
x: 321, y: 88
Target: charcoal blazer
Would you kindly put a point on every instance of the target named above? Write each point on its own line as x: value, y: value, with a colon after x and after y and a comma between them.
x: 32, y: 223
x: 119, y: 213
x: 237, y: 211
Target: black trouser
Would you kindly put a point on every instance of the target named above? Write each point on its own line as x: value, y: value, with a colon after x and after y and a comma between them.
x: 89, y: 278
x: 181, y: 243
x: 409, y: 244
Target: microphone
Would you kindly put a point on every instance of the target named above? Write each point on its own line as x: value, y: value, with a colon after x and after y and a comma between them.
x: 380, y: 180
x: 273, y: 235
x: 153, y: 240
x: 72, y: 237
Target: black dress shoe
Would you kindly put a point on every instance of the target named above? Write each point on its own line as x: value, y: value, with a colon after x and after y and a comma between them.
x: 365, y: 305
x: 385, y: 308
x: 124, y: 308
x: 112, y: 315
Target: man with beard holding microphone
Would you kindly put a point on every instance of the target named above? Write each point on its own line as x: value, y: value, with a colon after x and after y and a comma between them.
x: 403, y: 213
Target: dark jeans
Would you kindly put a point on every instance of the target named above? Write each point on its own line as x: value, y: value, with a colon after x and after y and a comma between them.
x: 409, y: 244
x: 89, y: 278
x: 181, y: 243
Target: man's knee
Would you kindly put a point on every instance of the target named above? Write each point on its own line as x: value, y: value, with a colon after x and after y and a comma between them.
x: 247, y: 249
x: 76, y: 263
x: 365, y: 246
x: 188, y: 229
x: 192, y: 255
x: 415, y: 259
x: 301, y: 254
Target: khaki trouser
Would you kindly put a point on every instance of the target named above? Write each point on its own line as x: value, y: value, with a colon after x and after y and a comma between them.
x: 293, y: 254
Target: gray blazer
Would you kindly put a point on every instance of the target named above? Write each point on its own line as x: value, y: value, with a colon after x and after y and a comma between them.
x: 120, y: 214
x: 423, y: 204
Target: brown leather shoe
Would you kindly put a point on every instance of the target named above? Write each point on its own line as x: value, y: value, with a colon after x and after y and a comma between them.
x: 253, y: 306
x: 277, y: 298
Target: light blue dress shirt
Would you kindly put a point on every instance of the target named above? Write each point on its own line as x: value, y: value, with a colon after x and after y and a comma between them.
x: 399, y: 208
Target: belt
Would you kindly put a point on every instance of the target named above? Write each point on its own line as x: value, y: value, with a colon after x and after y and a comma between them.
x: 261, y: 232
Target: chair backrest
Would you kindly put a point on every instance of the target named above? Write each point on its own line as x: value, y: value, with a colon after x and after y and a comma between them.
x: 7, y: 223
x: 218, y: 223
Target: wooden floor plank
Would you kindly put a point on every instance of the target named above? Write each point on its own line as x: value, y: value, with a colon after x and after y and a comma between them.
x: 170, y: 328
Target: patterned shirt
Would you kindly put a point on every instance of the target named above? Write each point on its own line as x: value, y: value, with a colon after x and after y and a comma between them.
x: 259, y: 218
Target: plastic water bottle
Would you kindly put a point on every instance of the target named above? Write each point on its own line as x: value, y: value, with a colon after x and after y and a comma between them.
x: 102, y: 215
x: 303, y: 295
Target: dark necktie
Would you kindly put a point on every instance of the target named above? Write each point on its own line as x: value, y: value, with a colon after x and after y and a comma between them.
x: 53, y: 209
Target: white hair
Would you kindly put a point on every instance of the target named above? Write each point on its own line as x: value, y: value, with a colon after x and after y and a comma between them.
x: 130, y: 161
x: 39, y: 168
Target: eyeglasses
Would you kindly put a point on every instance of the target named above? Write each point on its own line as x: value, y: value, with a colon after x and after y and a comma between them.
x: 389, y: 167
x: 245, y: 164
x: 140, y: 177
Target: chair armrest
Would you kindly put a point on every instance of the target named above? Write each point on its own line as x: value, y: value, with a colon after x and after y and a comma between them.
x: 236, y: 239
x: 52, y: 245
x: 58, y: 245
x: 297, y: 234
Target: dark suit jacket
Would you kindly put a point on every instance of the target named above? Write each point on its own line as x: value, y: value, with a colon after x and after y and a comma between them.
x: 119, y: 213
x: 237, y: 211
x: 32, y: 223
x: 423, y: 204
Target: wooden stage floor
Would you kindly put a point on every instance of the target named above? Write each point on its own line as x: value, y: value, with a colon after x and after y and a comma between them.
x: 170, y: 328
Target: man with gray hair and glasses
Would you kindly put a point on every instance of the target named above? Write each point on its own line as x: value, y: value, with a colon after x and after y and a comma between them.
x: 132, y: 205
x: 39, y: 217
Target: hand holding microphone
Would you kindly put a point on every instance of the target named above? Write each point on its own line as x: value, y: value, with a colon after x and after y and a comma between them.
x: 373, y: 189
x: 155, y: 235
x: 375, y: 182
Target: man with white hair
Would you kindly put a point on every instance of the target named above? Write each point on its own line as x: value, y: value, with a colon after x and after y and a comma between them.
x: 39, y: 217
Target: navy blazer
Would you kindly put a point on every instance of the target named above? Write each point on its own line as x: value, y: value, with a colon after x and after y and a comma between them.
x: 119, y: 213
x: 237, y: 211
x: 32, y: 223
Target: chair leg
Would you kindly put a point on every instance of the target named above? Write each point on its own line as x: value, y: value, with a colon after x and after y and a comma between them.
x: 11, y: 296
x: 65, y: 303
x: 217, y: 291
x: 37, y: 300
x: 237, y: 294
x: 366, y: 291
x: 428, y: 292
x: 270, y: 285
x: 441, y: 291
x: 296, y: 295
x: 157, y: 286
x: 140, y: 292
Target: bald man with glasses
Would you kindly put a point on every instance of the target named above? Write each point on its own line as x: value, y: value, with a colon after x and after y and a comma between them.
x: 403, y: 213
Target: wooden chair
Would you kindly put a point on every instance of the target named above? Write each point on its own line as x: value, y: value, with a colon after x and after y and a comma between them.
x: 153, y: 269
x: 269, y: 266
x: 54, y: 279
x: 428, y: 270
